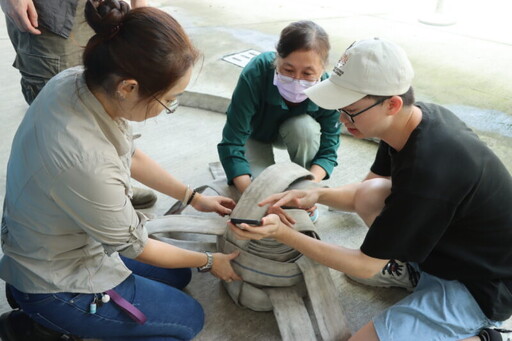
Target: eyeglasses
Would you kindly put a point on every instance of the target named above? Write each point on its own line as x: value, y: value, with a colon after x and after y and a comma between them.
x: 286, y: 80
x: 171, y: 106
x: 343, y: 111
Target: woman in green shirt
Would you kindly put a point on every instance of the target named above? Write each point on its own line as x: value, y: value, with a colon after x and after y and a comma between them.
x: 269, y: 109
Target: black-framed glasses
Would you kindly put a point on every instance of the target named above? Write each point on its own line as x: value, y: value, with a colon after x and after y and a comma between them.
x: 171, y: 107
x: 343, y: 111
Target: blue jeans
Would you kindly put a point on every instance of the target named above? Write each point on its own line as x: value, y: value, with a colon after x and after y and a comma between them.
x: 171, y: 314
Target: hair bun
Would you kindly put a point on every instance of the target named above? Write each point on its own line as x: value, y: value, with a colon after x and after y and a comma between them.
x: 105, y: 16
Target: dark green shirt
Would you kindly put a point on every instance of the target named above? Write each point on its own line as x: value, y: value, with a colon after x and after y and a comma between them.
x: 257, y: 110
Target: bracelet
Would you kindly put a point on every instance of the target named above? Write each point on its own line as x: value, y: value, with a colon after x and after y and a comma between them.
x: 188, y: 192
x: 209, y: 262
x: 191, y: 197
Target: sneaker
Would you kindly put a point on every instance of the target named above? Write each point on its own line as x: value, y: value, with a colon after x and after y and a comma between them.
x: 488, y: 334
x: 143, y: 198
x: 17, y: 326
x: 394, y: 274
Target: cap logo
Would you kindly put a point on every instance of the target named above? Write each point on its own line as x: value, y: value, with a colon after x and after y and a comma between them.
x: 343, y: 60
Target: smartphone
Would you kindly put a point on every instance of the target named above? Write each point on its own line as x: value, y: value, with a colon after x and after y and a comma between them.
x: 254, y: 222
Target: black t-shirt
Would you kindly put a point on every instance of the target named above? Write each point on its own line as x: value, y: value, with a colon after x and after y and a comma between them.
x: 450, y: 209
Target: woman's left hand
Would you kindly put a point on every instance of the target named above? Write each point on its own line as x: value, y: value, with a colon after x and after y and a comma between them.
x: 221, y: 267
x: 220, y: 205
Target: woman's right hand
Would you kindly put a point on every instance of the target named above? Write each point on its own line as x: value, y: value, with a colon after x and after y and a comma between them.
x: 221, y: 267
x: 218, y: 204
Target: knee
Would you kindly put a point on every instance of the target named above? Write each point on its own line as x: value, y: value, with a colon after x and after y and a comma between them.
x: 303, y: 128
x: 369, y: 198
x: 196, y: 319
x: 182, y: 277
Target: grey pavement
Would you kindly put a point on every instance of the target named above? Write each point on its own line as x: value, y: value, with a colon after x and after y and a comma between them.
x: 465, y: 66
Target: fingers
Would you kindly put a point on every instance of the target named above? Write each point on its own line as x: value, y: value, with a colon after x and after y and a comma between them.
x: 285, y: 217
x: 26, y: 18
x: 288, y: 199
x: 281, y: 199
x: 32, y: 17
x: 225, y: 270
x: 233, y: 255
x: 227, y: 202
x: 235, y: 277
x: 243, y: 234
x: 223, y: 211
x: 271, y: 199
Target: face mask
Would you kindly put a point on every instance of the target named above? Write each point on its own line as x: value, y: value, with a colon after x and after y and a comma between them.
x: 292, y: 89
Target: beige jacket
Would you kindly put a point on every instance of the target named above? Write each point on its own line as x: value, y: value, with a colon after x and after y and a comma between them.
x: 67, y: 210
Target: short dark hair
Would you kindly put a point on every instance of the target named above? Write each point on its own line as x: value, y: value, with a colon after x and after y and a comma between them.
x: 304, y: 35
x: 145, y: 44
x: 407, y: 97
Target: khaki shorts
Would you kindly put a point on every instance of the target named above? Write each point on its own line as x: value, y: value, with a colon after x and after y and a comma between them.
x: 40, y: 57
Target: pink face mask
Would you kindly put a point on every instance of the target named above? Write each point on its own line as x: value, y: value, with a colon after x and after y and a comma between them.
x: 292, y: 89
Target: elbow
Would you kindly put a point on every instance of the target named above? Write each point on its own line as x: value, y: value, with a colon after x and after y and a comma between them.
x: 366, y: 273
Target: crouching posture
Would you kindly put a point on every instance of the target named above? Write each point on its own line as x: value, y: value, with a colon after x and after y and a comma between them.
x: 437, y: 201
x: 77, y: 257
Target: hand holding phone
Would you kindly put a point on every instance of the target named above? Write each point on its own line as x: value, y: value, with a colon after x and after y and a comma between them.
x: 254, y: 222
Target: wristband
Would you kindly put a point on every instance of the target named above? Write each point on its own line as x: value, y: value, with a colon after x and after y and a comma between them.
x: 188, y: 193
x: 191, y: 197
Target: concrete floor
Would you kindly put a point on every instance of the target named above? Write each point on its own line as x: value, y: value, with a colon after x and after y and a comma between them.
x: 465, y: 66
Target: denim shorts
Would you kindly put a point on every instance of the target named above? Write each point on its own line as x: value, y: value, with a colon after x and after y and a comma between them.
x: 438, y: 309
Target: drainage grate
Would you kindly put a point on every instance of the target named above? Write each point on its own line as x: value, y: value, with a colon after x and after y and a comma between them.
x: 241, y: 58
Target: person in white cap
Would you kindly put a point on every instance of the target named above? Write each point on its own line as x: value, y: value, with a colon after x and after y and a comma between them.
x: 437, y: 201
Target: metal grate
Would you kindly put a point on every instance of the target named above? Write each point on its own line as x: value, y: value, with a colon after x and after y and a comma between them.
x: 241, y: 58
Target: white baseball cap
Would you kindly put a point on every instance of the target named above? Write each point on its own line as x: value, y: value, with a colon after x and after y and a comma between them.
x: 368, y: 67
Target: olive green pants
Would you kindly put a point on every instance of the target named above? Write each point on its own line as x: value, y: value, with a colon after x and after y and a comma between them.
x: 299, y: 135
x: 40, y: 57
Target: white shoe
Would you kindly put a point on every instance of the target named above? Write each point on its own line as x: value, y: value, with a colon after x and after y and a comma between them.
x: 394, y: 274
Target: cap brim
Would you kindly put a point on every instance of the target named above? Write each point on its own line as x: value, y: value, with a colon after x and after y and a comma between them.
x: 328, y: 95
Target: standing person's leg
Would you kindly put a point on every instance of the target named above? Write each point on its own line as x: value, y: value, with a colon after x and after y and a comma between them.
x: 40, y: 57
x: 300, y: 135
